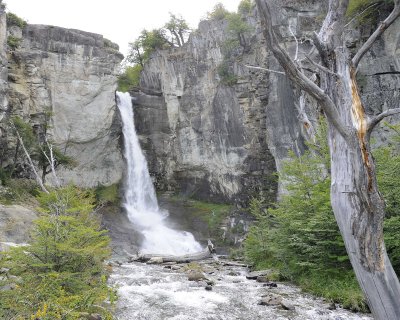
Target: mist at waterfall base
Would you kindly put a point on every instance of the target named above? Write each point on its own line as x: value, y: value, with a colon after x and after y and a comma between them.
x: 140, y: 199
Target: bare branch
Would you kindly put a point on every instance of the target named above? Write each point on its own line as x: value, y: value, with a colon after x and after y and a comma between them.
x: 264, y: 69
x: 38, y: 179
x: 297, y: 44
x: 378, y: 32
x: 375, y: 120
x: 52, y: 162
x: 293, y: 72
x: 322, y: 68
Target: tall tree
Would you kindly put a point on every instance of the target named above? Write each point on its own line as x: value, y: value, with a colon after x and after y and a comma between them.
x: 178, y: 30
x: 357, y: 204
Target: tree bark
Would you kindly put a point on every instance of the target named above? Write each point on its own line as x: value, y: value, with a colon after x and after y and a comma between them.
x: 357, y: 204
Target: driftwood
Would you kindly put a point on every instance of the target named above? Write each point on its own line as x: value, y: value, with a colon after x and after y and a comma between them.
x: 159, y: 258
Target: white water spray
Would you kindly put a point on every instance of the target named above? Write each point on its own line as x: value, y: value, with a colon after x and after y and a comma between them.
x: 140, y: 198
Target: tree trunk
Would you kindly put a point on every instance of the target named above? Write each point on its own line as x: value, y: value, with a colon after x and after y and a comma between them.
x: 358, y: 207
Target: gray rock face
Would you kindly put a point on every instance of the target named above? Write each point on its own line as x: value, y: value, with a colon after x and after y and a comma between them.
x: 221, y: 142
x: 201, y: 137
x: 15, y: 224
x: 3, y: 64
x: 66, y: 79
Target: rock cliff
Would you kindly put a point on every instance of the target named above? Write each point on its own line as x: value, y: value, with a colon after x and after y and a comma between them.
x: 212, y: 140
x: 62, y: 81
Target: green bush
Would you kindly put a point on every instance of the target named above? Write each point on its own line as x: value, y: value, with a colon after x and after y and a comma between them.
x: 13, y: 42
x: 245, y: 7
x: 60, y: 275
x: 388, y: 170
x: 226, y: 74
x: 218, y: 13
x: 14, y: 20
x: 129, y: 78
x: 300, y: 236
x: 108, y: 194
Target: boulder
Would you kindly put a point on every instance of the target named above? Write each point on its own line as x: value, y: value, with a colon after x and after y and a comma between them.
x: 15, y: 225
x: 271, y: 299
x: 261, y: 273
x: 196, y: 276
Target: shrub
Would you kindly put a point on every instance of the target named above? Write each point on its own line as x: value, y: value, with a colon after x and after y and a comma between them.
x: 60, y: 275
x: 14, y: 20
x: 218, y: 13
x: 300, y: 236
x: 13, y: 42
x: 129, y: 78
x: 245, y: 7
x: 226, y: 74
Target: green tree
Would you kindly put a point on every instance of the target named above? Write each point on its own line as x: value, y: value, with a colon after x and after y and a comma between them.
x: 219, y: 12
x: 178, y: 30
x: 129, y: 78
x: 299, y: 235
x: 388, y: 170
x: 60, y: 275
x: 245, y: 7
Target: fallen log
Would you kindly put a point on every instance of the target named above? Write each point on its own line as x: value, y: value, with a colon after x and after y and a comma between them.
x: 159, y: 258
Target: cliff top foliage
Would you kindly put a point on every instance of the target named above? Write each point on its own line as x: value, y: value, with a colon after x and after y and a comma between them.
x: 14, y: 20
x: 173, y: 34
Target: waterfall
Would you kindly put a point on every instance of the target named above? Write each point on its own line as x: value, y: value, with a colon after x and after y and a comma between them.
x: 140, y: 199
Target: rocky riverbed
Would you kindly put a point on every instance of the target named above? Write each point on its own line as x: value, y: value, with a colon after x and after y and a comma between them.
x: 217, y: 291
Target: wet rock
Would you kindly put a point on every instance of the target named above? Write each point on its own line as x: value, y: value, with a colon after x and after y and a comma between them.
x: 287, y: 305
x: 332, y: 306
x: 4, y: 270
x: 155, y: 260
x: 210, y: 282
x: 270, y: 299
x: 255, y: 274
x: 208, y: 287
x: 196, y: 276
x: 262, y: 279
x: 176, y: 267
x: 233, y: 273
x: 270, y: 285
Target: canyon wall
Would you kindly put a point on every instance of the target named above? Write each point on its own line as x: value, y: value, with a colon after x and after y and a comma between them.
x: 62, y: 82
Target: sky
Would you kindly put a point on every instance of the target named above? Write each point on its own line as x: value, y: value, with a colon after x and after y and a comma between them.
x: 120, y: 21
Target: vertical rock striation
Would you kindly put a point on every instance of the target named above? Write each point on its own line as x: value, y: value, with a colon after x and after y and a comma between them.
x: 224, y: 142
x: 62, y: 81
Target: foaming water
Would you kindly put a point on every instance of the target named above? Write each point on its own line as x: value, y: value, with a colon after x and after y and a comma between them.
x: 140, y: 197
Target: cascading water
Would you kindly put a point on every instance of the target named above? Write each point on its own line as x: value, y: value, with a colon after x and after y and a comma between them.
x: 140, y: 198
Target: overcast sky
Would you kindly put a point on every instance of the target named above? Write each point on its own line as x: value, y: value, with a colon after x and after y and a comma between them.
x: 121, y: 21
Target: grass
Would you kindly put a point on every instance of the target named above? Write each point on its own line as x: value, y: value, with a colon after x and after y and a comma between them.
x: 19, y: 191
x: 108, y: 194
x: 336, y: 287
x: 211, y: 213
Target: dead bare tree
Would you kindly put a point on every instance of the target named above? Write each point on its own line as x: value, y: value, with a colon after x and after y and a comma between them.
x: 358, y: 206
x: 28, y: 157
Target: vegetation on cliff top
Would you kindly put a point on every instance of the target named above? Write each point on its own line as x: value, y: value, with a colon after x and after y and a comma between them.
x: 173, y: 34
